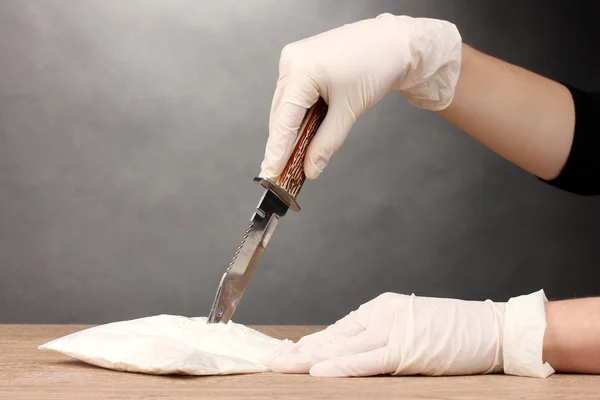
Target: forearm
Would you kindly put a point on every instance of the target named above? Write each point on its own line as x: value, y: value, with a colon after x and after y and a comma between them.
x: 572, y: 337
x: 524, y: 117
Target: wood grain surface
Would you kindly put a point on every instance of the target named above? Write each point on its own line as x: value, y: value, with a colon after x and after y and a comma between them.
x: 28, y: 373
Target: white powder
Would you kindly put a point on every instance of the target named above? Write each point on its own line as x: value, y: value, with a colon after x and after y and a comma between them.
x: 169, y: 344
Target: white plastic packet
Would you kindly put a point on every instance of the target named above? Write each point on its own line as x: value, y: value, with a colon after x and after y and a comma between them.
x: 170, y: 344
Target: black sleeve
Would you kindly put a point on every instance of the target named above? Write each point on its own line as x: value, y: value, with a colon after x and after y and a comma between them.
x: 581, y: 173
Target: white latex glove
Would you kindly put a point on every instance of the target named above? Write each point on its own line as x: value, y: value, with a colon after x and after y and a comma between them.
x: 353, y: 68
x: 409, y: 335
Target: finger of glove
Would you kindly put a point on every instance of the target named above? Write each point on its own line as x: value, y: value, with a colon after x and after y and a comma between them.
x: 266, y: 170
x: 302, y: 360
x: 363, y: 364
x: 365, y: 341
x: 343, y: 328
x: 348, y: 326
x: 295, y: 363
x: 326, y: 337
x: 290, y: 103
x: 269, y: 356
x: 282, y: 135
x: 327, y: 141
x: 300, y: 357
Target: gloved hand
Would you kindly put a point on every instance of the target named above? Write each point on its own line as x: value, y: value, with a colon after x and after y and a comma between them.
x: 353, y: 68
x: 409, y: 335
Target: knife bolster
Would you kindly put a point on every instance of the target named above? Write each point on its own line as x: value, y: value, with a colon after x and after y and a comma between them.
x: 280, y: 192
x: 292, y: 178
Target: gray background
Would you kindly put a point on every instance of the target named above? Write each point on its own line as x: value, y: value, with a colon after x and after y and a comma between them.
x: 130, y: 133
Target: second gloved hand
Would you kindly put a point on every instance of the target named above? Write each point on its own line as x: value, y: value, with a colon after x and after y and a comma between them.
x: 404, y: 335
x: 353, y: 68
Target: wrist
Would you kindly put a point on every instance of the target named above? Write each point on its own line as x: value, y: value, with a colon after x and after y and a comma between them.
x: 571, y: 340
x: 430, y: 73
x: 550, y: 347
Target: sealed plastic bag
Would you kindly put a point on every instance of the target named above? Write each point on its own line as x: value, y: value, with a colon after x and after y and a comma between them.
x: 169, y: 344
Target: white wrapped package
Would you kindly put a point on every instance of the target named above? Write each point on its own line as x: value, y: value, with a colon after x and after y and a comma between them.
x: 170, y: 344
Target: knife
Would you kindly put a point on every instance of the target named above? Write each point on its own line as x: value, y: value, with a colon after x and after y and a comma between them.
x: 278, y: 197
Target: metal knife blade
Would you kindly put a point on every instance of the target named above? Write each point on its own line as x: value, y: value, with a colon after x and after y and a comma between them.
x: 233, y: 283
x: 276, y: 200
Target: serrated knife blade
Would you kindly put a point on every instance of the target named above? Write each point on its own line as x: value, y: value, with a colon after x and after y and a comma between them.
x: 277, y: 198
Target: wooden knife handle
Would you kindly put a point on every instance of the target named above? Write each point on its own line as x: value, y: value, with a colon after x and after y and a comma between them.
x: 292, y: 178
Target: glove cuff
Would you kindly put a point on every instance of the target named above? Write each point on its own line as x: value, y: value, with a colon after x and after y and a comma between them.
x: 523, y: 338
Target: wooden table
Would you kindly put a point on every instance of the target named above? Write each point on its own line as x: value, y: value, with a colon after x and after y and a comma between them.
x: 28, y: 373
